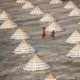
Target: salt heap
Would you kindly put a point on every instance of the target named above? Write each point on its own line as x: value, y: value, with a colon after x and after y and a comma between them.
x: 74, y: 37
x: 20, y: 1
x: 36, y: 11
x: 36, y: 64
x: 55, y: 2
x: 24, y: 48
x: 28, y: 5
x: 4, y: 15
x: 75, y: 12
x: 54, y: 26
x: 70, y: 5
x: 8, y: 24
x: 47, y: 18
x: 75, y: 52
x: 20, y: 34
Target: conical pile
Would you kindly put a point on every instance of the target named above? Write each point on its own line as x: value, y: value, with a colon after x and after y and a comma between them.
x: 75, y: 12
x: 36, y: 11
x: 50, y: 77
x: 54, y: 26
x: 8, y: 24
x: 74, y: 37
x: 75, y: 52
x: 3, y: 15
x: 24, y: 48
x: 47, y: 18
x: 27, y: 5
x: 55, y: 2
x: 20, y: 34
x: 20, y: 1
x: 70, y: 5
x: 36, y: 64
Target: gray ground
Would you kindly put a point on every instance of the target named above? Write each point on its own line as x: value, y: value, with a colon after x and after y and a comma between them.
x: 52, y: 51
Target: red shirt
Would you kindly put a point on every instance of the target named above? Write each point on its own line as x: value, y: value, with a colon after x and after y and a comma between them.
x: 43, y: 32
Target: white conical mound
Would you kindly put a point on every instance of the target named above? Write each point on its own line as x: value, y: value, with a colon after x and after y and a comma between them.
x: 75, y: 52
x: 20, y: 1
x: 20, y: 34
x: 36, y: 64
x: 70, y: 5
x: 4, y: 15
x: 47, y: 18
x: 54, y: 26
x: 55, y: 2
x: 28, y: 5
x: 24, y: 48
x: 8, y: 24
x: 74, y: 37
x: 50, y: 77
x: 36, y: 11
x: 75, y: 12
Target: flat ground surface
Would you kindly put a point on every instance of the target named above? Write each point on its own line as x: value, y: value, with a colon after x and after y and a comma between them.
x: 52, y: 51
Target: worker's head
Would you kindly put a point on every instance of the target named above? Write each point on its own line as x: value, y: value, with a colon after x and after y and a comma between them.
x: 43, y: 28
x: 53, y: 32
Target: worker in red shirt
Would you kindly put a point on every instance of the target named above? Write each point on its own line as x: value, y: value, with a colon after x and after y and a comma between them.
x: 43, y: 32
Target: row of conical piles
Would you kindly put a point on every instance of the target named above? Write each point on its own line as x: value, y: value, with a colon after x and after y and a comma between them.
x: 47, y: 17
x: 51, y: 2
x: 69, y: 5
x: 36, y: 11
x: 34, y: 64
x: 74, y: 38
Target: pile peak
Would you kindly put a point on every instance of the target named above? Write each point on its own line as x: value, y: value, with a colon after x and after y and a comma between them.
x: 35, y: 55
x: 75, y: 7
x: 76, y: 30
x: 47, y: 12
x: 8, y: 18
x: 19, y: 28
x: 78, y: 43
x: 24, y: 41
x: 37, y: 6
x: 3, y: 11
x: 50, y: 75
x: 53, y: 21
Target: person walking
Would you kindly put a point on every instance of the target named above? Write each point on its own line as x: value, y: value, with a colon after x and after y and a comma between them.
x: 53, y: 34
x: 43, y: 32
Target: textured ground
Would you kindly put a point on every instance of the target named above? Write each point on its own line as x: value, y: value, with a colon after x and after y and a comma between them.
x: 52, y: 51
